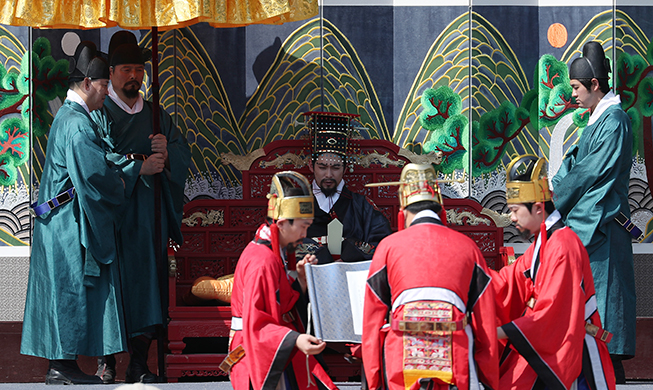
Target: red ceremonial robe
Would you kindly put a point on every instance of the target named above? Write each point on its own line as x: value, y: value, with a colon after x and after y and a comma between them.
x: 266, y: 323
x: 429, y: 270
x: 548, y: 344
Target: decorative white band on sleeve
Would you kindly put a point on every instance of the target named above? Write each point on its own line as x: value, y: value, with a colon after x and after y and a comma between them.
x: 236, y: 323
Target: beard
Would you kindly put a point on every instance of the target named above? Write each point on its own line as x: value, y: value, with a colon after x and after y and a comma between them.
x: 524, y: 233
x: 131, y: 93
x: 328, y: 191
x: 290, y: 248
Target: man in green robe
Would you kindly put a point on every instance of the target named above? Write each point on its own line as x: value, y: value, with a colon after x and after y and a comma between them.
x: 73, y: 304
x: 126, y: 122
x: 591, y: 192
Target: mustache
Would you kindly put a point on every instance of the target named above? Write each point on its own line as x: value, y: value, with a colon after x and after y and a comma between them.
x: 327, y: 181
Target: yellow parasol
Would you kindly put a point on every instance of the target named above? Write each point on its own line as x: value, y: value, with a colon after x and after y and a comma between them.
x: 142, y: 14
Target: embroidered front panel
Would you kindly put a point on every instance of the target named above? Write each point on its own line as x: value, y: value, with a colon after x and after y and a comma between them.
x: 427, y: 354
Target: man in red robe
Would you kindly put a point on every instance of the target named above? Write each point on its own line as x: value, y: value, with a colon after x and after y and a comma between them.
x: 265, y: 298
x: 429, y: 314
x: 551, y: 328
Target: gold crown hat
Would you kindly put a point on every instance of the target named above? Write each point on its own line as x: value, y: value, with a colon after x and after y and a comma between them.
x: 417, y: 183
x: 526, y: 180
x: 294, y: 202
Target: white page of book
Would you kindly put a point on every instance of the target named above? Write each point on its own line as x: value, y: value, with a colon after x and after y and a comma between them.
x: 356, y: 282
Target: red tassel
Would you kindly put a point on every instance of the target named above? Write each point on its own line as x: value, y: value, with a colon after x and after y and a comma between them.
x: 274, y: 239
x: 401, y: 221
x: 543, y: 239
x: 443, y: 216
x: 292, y: 262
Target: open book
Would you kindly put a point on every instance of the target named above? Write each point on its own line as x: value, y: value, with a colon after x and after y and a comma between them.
x: 337, y: 293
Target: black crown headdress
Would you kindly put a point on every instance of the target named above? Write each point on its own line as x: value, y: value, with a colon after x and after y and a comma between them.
x: 330, y: 132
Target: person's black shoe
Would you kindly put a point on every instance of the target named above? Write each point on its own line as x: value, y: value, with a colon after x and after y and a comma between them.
x: 136, y: 374
x: 137, y: 370
x: 67, y: 372
x: 106, y: 369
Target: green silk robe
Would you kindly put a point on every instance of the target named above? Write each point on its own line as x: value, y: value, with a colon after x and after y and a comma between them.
x: 590, y: 189
x: 73, y: 304
x: 128, y: 133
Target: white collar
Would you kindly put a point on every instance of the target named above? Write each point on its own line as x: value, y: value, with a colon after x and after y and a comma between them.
x: 426, y: 214
x: 74, y: 97
x: 550, y: 221
x: 138, y: 107
x: 326, y: 203
x: 610, y: 99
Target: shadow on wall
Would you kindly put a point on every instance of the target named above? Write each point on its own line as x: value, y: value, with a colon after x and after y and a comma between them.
x: 264, y: 60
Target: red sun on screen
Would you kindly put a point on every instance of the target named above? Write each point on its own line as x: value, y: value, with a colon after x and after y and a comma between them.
x: 557, y: 35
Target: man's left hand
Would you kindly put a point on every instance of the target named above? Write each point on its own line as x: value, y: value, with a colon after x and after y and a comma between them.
x: 160, y: 145
x: 301, y: 272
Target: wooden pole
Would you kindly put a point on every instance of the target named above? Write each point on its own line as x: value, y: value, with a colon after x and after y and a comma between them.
x: 161, y: 262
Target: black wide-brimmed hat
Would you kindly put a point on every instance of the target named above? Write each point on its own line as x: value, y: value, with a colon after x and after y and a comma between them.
x: 591, y: 65
x: 87, y: 63
x: 124, y: 49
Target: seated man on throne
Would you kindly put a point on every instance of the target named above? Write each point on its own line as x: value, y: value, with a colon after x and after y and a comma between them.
x: 347, y: 226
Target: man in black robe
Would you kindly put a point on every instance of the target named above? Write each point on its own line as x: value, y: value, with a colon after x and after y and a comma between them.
x: 347, y: 226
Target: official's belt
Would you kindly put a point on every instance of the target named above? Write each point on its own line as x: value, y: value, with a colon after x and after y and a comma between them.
x: 598, y: 333
x: 429, y: 326
x: 53, y: 203
x: 135, y: 156
x: 363, y: 246
x: 629, y: 226
x: 232, y: 358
